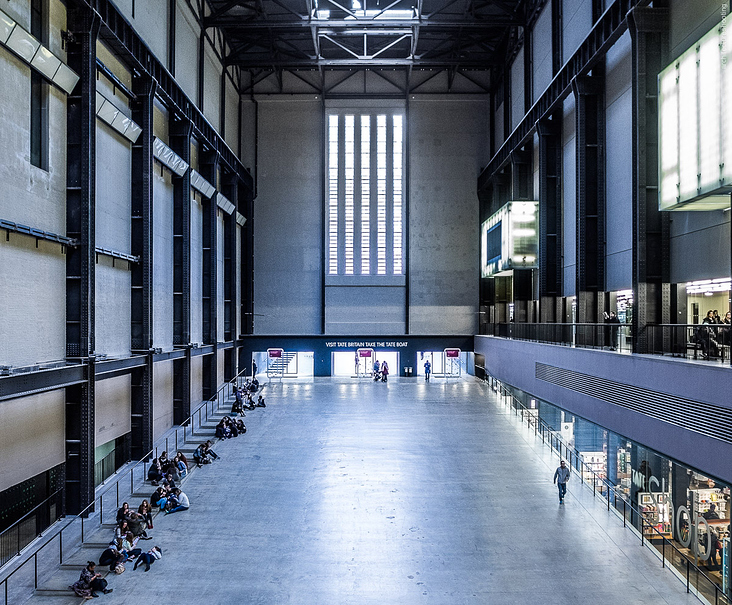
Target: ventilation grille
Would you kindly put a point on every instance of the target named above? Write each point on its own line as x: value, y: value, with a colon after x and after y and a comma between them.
x: 704, y: 418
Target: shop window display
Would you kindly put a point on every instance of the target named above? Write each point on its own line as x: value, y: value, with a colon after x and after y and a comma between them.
x: 679, y: 505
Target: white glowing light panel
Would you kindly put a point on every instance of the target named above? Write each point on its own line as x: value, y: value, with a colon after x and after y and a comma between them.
x: 509, y: 239
x: 695, y: 132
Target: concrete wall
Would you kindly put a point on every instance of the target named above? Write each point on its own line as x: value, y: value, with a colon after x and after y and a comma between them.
x: 212, y: 87
x: 542, y: 51
x: 113, y: 408
x: 32, y: 434
x: 517, y: 89
x: 576, y: 24
x: 288, y: 215
x: 163, y: 259
x: 619, y: 166
x: 446, y: 152
x: 162, y: 398
x: 32, y: 323
x: 186, y: 51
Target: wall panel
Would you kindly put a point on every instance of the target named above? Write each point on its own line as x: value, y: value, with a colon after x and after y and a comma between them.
x: 446, y: 155
x: 619, y: 167
x: 162, y: 397
x: 32, y: 436
x: 112, y: 412
x: 288, y: 245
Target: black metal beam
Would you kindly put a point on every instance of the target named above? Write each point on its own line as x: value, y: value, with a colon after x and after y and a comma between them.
x: 550, y: 215
x: 142, y: 273
x: 239, y: 27
x: 589, y: 94
x: 83, y: 26
x: 41, y: 381
x: 209, y: 290
x: 649, y: 29
x: 180, y: 142
x: 231, y: 270
x: 604, y: 34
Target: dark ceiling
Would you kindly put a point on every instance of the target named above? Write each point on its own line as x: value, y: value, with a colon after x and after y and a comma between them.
x: 272, y: 35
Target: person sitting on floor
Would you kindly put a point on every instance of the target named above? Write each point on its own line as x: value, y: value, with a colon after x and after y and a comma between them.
x: 111, y: 556
x: 182, y: 458
x: 149, y: 557
x: 159, y: 497
x: 200, y: 457
x: 232, y: 427
x: 145, y: 510
x: 240, y: 426
x: 169, y: 482
x: 180, y: 502
x: 222, y: 431
x: 155, y: 472
x: 121, y: 530
x: 137, y: 526
x: 123, y: 513
x: 89, y: 582
x: 129, y: 547
x: 260, y: 402
x: 210, y: 452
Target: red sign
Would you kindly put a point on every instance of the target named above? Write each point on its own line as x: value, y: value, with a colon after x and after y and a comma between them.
x: 452, y: 353
x: 364, y: 353
x: 275, y: 353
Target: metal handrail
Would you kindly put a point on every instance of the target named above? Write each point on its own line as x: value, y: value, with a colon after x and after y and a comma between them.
x: 541, y: 427
x: 131, y: 472
x: 16, y: 525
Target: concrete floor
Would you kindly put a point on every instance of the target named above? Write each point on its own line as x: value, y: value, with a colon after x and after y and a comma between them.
x: 346, y: 492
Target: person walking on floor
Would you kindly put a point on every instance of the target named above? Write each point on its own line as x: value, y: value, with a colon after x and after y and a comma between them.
x: 561, y: 476
x: 427, y: 369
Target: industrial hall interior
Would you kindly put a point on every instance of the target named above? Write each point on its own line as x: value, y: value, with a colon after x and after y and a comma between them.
x: 304, y: 301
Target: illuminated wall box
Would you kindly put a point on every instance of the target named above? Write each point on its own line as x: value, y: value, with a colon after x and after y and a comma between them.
x: 694, y: 129
x: 509, y: 239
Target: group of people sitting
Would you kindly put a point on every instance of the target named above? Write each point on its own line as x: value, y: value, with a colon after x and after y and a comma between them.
x: 204, y: 454
x: 381, y: 371
x: 244, y: 400
x: 163, y: 468
x: 164, y: 473
x: 131, y: 527
x: 230, y: 427
x: 710, y: 338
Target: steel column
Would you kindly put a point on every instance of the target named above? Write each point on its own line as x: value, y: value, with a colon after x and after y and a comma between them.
x: 550, y: 216
x: 180, y: 142
x: 209, y: 170
x: 589, y: 94
x: 142, y: 273
x: 84, y: 26
x: 651, y: 266
x: 230, y: 189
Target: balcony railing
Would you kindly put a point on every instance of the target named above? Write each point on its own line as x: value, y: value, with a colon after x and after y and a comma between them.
x: 710, y: 342
x: 616, y: 337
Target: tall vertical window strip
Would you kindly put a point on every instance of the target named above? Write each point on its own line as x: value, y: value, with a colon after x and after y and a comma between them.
x: 381, y: 195
x: 398, y: 159
x: 349, y: 178
x: 365, y: 195
x: 333, y: 195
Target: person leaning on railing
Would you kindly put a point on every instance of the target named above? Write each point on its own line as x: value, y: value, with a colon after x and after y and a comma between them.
x: 706, y: 336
